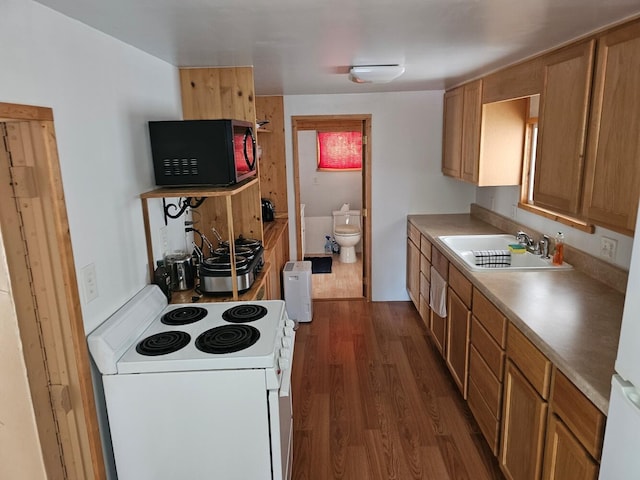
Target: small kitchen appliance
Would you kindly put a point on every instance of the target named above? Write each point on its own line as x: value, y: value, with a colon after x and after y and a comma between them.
x: 202, y: 152
x: 296, y: 278
x: 268, y: 211
x: 197, y: 391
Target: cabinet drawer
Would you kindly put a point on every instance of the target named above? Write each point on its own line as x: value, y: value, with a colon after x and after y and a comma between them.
x: 425, y: 247
x: 440, y: 262
x: 438, y: 331
x: 425, y: 267
x: 489, y: 425
x: 460, y: 284
x: 531, y: 362
x: 487, y: 384
x: 490, y: 317
x: 578, y: 413
x: 414, y: 234
x: 488, y: 349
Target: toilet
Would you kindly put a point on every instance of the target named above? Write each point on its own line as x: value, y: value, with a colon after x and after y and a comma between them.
x: 347, y: 233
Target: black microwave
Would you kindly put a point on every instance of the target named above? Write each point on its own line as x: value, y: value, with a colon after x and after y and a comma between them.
x: 202, y: 152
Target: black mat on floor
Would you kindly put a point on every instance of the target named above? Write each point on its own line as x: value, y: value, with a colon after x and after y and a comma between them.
x: 320, y: 264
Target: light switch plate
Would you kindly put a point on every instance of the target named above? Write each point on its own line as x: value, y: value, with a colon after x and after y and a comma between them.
x: 90, y: 282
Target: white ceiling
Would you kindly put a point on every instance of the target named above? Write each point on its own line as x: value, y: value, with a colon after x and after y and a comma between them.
x: 307, y: 46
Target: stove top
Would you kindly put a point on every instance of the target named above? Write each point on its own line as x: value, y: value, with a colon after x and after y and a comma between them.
x: 147, y: 335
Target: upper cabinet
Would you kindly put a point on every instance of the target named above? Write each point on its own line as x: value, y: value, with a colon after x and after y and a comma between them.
x: 483, y: 144
x: 452, y: 134
x: 612, y: 173
x: 564, y: 107
x: 218, y: 93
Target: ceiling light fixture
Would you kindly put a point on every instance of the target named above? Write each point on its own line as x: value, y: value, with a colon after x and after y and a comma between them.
x: 375, y: 73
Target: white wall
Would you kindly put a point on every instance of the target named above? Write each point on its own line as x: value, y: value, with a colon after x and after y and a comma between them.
x: 504, y: 200
x: 406, y: 142
x: 102, y: 93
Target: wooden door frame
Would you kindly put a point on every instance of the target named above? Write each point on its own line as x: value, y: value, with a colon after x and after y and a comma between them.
x: 45, y: 292
x: 313, y: 122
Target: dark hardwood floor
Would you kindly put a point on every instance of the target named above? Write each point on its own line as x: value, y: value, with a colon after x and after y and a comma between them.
x: 373, y: 399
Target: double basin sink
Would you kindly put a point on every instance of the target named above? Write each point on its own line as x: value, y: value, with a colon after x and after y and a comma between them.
x: 465, y: 247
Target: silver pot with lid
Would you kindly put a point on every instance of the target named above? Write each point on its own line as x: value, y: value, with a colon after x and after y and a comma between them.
x: 180, y: 269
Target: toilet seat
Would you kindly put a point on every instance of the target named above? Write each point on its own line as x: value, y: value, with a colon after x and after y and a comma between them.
x: 347, y: 230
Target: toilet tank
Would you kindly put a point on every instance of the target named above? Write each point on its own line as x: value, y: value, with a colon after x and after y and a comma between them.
x: 346, y: 217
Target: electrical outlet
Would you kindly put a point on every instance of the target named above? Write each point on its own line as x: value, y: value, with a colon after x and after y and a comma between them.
x: 90, y: 282
x: 608, y: 247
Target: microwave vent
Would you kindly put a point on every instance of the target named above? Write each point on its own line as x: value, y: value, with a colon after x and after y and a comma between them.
x: 180, y: 167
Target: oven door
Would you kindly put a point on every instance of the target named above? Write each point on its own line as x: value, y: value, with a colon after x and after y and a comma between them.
x: 281, y: 425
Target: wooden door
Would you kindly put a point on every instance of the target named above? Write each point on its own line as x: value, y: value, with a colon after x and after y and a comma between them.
x: 612, y: 174
x: 35, y: 232
x: 471, y: 126
x: 452, y: 135
x: 565, y: 458
x: 562, y: 125
x: 457, y: 348
x: 523, y: 427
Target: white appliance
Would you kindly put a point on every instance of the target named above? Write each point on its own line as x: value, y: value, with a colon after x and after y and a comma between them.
x: 296, y: 277
x: 621, y: 450
x: 197, y: 391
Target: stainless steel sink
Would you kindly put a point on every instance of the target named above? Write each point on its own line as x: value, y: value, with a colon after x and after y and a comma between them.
x: 464, y: 247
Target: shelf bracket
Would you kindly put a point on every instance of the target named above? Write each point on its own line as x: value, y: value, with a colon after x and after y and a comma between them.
x: 181, y: 207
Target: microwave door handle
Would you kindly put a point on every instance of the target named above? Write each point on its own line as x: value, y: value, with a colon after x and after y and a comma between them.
x: 248, y: 135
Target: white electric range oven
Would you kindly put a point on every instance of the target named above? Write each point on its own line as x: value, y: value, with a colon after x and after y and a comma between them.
x: 197, y: 391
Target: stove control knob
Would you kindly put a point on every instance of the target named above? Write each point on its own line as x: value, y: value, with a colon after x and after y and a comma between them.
x: 285, y: 353
x: 288, y: 332
x: 284, y: 363
x: 290, y: 323
x: 287, y: 342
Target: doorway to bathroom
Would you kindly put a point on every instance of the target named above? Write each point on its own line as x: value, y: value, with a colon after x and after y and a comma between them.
x: 319, y: 192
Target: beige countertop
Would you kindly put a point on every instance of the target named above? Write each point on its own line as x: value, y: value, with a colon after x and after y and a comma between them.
x: 572, y: 318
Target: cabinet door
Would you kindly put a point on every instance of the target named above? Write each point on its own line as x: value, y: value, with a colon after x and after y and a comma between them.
x: 413, y: 272
x: 562, y: 125
x: 457, y: 349
x: 523, y: 428
x: 612, y: 174
x: 564, y: 457
x: 471, y: 122
x: 452, y: 135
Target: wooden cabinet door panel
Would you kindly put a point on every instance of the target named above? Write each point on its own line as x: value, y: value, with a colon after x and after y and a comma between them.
x: 439, y: 331
x: 452, y: 135
x: 457, y: 350
x: 531, y: 362
x: 488, y: 349
x: 524, y: 417
x: 490, y: 317
x: 564, y: 457
x: 471, y: 123
x: 612, y: 174
x: 413, y: 272
x: 564, y: 107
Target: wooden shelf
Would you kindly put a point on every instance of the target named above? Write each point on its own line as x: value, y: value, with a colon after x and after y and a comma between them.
x: 166, y: 192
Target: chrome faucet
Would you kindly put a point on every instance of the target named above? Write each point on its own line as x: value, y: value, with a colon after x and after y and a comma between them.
x: 543, y: 246
x: 527, y: 241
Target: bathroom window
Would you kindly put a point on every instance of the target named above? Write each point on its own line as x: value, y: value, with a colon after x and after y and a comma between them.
x: 339, y: 151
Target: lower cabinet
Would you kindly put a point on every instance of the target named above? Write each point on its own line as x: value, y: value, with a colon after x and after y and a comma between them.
x: 523, y: 427
x: 413, y: 271
x: 276, y: 253
x: 565, y: 458
x: 457, y: 350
